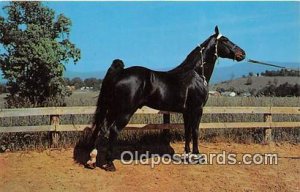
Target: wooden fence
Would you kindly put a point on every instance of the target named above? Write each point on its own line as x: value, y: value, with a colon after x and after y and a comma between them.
x: 55, y: 112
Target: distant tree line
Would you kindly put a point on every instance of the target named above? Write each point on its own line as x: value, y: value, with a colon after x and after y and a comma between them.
x: 282, y: 90
x: 271, y: 90
x: 282, y: 72
x: 78, y: 83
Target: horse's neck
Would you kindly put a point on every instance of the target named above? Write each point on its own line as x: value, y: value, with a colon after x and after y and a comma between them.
x: 194, y: 62
x: 189, y: 63
x: 198, y: 59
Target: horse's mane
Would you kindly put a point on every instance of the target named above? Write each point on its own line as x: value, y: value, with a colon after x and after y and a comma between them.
x: 192, y: 59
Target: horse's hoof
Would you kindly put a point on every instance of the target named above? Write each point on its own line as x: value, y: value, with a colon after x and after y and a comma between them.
x: 185, y: 156
x: 200, y: 159
x: 90, y: 165
x: 109, y: 167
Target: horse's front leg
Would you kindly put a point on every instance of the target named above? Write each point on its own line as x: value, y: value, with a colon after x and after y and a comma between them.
x: 197, y: 157
x: 195, y: 130
x: 187, y: 133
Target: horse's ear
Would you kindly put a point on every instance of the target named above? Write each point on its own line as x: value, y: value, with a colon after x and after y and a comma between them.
x: 217, y: 30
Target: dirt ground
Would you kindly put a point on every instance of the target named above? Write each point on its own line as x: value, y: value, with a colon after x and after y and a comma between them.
x: 55, y: 170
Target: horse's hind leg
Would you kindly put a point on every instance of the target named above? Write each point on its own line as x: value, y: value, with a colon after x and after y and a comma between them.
x: 113, y: 134
x: 120, y: 122
x: 91, y: 163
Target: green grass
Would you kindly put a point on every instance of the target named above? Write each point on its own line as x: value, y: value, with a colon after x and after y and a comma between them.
x: 2, y: 101
x: 90, y: 99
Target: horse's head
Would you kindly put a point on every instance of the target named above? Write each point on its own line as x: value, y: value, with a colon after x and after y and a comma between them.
x: 227, y: 49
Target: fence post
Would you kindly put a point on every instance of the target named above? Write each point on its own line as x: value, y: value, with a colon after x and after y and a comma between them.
x: 166, y: 118
x: 166, y: 132
x: 268, y: 131
x: 54, y: 120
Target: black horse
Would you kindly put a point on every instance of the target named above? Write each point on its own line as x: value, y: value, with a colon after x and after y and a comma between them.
x: 183, y: 89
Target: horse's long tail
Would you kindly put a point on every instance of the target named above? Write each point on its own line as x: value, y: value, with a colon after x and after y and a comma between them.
x: 99, y: 123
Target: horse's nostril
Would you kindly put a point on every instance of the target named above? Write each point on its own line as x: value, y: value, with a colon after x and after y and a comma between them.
x: 243, y: 53
x: 239, y: 56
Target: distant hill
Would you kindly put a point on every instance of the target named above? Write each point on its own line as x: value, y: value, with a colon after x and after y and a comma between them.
x: 239, y: 69
x: 85, y: 75
x: 257, y: 82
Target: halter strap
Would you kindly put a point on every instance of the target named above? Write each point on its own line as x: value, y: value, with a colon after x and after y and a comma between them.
x: 202, y: 62
x: 202, y: 67
x: 216, y: 51
x: 219, y: 36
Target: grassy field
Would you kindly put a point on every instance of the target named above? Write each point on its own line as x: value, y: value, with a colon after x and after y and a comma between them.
x: 2, y: 100
x: 18, y: 141
x: 90, y: 99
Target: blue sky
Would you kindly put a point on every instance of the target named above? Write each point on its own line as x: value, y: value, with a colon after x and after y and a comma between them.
x: 159, y: 35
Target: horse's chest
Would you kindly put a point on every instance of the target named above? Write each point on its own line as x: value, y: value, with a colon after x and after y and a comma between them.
x: 197, y: 92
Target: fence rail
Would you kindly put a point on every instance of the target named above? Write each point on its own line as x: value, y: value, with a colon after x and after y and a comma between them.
x: 21, y: 112
x: 55, y: 112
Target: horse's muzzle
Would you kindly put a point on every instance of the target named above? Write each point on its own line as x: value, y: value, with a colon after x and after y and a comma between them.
x: 240, y: 55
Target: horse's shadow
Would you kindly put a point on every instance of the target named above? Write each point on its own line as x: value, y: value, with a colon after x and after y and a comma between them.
x: 82, y: 149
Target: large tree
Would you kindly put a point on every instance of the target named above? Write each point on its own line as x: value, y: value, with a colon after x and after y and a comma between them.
x: 35, y: 48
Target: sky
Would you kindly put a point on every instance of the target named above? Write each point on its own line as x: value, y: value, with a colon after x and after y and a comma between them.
x: 159, y: 35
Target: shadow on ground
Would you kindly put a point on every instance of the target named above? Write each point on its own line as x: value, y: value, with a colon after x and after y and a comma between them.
x: 82, y: 148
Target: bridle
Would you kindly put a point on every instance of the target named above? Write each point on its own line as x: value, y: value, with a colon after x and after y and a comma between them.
x: 202, y: 62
